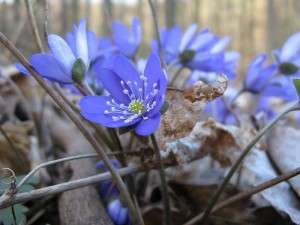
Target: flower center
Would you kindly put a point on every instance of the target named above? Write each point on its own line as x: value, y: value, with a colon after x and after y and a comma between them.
x: 136, y: 107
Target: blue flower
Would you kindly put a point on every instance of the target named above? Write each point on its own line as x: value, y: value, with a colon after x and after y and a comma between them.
x: 135, y: 98
x: 258, y: 77
x: 203, y: 51
x: 281, y: 87
x: 127, y: 40
x: 264, y: 111
x: 108, y: 188
x: 288, y: 57
x: 219, y: 109
x: 118, y: 213
x: 58, y: 65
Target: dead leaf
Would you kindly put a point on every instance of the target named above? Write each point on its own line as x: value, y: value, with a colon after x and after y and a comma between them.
x: 279, y: 196
x: 185, y: 109
x: 285, y: 151
x: 222, y: 142
x: 18, y: 134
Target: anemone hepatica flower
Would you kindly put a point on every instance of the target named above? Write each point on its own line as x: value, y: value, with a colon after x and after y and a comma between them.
x: 257, y: 77
x: 135, y: 98
x: 64, y: 63
x: 282, y: 88
x: 203, y: 51
x: 127, y: 40
x: 288, y: 57
x: 118, y: 213
x: 108, y: 188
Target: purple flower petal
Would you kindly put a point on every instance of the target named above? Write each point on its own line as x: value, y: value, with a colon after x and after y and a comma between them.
x: 94, y: 103
x: 152, y: 70
x: 81, y: 42
x: 187, y: 37
x: 290, y: 47
x: 201, y: 41
x: 112, y: 83
x: 47, y: 66
x: 221, y: 45
x: 148, y: 126
x: 22, y: 69
x: 70, y: 38
x: 93, y: 45
x: 173, y: 39
x: 137, y: 30
x: 62, y: 52
x: 120, y: 31
x: 127, y: 72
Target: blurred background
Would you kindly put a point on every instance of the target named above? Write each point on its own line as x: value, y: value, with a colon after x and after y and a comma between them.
x: 256, y: 26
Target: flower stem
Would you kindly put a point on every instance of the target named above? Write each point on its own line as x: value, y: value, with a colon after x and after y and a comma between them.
x: 90, y: 138
x: 164, y: 184
x: 155, y: 19
x: 33, y: 26
x: 221, y: 188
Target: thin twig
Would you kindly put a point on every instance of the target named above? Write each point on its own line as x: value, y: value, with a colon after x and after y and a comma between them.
x: 6, y: 201
x: 246, y: 194
x: 226, y: 180
x: 32, y: 172
x: 164, y: 184
x: 33, y: 26
x: 90, y: 138
x: 46, y: 19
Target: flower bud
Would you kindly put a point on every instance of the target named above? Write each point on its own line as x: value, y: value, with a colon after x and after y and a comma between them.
x: 288, y: 68
x: 78, y: 71
x: 187, y: 56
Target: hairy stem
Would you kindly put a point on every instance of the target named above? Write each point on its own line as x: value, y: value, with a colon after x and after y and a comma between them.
x: 90, y: 138
x: 221, y: 188
x: 164, y: 184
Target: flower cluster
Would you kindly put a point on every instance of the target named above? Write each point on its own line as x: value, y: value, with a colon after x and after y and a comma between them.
x: 202, y: 52
x: 269, y: 82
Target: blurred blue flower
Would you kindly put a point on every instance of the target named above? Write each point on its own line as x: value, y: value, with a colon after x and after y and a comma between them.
x: 59, y: 65
x: 118, y: 213
x: 108, y: 188
x: 264, y: 111
x: 110, y: 193
x: 203, y: 51
x: 218, y: 109
x: 288, y: 57
x: 258, y: 77
x: 126, y: 40
x: 136, y: 98
x: 281, y: 87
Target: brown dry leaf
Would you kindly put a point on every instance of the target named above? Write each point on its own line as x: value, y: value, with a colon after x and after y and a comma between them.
x: 185, y: 109
x: 19, y: 136
x: 222, y: 142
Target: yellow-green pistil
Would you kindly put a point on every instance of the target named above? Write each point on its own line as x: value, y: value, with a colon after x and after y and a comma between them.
x: 136, y: 107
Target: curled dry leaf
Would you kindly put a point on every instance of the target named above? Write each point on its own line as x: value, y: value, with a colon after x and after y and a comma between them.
x: 223, y: 143
x: 18, y: 134
x: 185, y: 109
